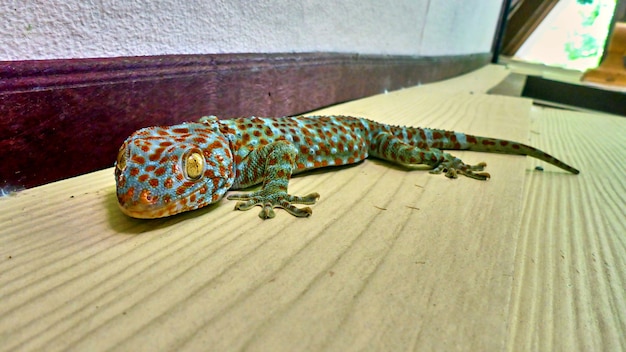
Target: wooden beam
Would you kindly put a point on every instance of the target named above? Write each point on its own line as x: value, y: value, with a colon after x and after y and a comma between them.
x: 523, y: 21
x: 61, y: 118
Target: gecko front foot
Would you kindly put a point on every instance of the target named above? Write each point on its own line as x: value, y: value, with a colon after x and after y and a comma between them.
x: 456, y: 166
x: 270, y: 200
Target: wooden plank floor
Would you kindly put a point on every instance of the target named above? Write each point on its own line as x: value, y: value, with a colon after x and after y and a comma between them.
x: 569, y: 292
x: 390, y: 259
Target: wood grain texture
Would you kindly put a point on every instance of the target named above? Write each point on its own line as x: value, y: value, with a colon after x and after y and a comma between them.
x: 569, y: 292
x: 390, y: 260
x: 51, y: 110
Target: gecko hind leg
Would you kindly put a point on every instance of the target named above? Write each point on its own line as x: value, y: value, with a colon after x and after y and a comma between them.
x: 389, y: 147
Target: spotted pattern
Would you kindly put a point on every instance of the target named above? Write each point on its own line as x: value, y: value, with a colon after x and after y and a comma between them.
x: 161, y: 171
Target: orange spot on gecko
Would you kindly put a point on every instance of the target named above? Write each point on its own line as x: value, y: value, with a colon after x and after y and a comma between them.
x: 138, y: 159
x: 129, y: 194
x: 215, y: 145
x: 157, y: 154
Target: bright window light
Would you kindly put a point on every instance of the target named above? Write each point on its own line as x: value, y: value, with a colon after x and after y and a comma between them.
x: 572, y: 36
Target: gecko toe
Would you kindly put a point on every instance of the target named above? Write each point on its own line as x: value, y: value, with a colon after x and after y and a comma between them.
x: 308, y: 199
x: 244, y: 205
x: 298, y: 212
x: 267, y: 212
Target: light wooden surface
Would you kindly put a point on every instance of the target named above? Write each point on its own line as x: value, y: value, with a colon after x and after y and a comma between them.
x: 569, y: 291
x: 390, y: 259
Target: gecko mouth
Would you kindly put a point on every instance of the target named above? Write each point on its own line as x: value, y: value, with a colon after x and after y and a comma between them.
x: 135, y: 212
x: 149, y: 206
x: 145, y: 207
x: 144, y: 211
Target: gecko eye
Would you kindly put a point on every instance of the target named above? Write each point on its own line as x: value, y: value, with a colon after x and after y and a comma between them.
x: 194, y: 165
x: 121, y: 158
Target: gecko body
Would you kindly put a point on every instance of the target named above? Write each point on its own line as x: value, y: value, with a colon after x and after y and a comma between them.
x: 165, y: 170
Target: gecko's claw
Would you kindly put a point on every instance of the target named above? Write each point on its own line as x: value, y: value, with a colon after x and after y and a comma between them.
x: 268, y: 201
x: 452, y: 168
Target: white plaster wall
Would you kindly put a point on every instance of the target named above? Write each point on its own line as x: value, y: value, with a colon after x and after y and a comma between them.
x: 49, y: 29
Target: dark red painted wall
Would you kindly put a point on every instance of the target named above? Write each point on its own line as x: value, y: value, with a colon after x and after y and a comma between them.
x: 61, y: 118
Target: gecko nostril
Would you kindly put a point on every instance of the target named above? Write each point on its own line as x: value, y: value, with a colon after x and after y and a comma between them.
x: 147, y: 198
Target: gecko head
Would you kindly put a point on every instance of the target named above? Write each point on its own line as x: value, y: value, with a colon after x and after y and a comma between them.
x: 162, y: 171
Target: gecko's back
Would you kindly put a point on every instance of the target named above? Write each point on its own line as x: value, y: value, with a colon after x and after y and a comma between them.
x: 321, y: 140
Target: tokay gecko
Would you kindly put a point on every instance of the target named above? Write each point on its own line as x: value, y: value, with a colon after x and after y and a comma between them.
x: 162, y: 171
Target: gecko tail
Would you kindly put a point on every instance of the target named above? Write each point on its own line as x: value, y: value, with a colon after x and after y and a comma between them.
x: 494, y: 145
